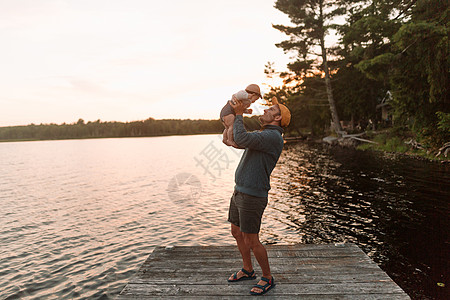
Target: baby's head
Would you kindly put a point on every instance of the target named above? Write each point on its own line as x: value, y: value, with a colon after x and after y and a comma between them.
x: 254, y: 93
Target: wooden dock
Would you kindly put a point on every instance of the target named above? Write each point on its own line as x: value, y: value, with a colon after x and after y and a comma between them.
x: 333, y: 271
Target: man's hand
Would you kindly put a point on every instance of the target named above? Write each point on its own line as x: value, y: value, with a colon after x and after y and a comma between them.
x: 238, y: 106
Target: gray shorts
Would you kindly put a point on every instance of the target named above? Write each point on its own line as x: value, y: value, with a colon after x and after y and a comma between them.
x: 246, y: 211
x: 226, y: 110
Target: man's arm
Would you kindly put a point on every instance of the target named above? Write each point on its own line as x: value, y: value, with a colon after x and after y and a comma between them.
x: 253, y: 140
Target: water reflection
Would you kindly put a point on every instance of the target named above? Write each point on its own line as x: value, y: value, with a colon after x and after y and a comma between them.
x: 396, y: 210
x: 78, y: 217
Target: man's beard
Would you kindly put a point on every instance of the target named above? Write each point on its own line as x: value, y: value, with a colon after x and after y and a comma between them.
x: 262, y: 121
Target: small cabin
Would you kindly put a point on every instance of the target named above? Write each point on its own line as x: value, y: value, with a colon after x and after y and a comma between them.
x: 386, y: 108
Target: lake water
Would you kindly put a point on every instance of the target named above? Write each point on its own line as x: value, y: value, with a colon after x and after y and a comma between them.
x: 78, y: 217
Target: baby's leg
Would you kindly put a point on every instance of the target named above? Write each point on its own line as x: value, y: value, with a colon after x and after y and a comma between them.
x: 225, y: 135
x: 230, y: 141
x: 228, y: 121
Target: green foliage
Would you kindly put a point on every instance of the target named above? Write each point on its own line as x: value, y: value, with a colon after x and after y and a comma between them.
x: 397, y: 140
x: 377, y: 67
x: 312, y: 21
x: 361, y: 80
x: 308, y: 104
x: 381, y: 138
x: 419, y: 76
x: 395, y: 144
x: 394, y: 45
x: 387, y: 144
x: 425, y: 44
x: 356, y: 94
x: 406, y: 54
x: 444, y: 121
x: 312, y: 105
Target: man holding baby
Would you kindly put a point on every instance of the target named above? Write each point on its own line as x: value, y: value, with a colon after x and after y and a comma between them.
x: 252, y: 178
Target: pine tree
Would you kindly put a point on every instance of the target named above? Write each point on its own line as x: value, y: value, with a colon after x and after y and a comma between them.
x: 312, y: 21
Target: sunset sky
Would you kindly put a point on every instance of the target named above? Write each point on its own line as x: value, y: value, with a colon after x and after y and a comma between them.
x: 62, y: 60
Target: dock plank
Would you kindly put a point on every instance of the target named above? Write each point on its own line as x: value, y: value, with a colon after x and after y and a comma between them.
x: 331, y: 271
x: 286, y: 289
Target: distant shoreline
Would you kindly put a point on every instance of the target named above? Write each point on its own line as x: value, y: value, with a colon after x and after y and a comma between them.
x: 98, y: 129
x: 105, y: 137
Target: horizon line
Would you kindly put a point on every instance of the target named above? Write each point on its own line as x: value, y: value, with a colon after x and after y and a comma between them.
x: 100, y: 121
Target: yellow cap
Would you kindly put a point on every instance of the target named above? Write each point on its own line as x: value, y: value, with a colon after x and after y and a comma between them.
x: 285, y: 113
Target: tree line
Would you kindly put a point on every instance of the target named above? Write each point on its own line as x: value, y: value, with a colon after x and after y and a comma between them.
x: 98, y: 129
x: 389, y: 68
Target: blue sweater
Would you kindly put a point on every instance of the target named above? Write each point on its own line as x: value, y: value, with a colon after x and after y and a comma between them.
x: 262, y: 150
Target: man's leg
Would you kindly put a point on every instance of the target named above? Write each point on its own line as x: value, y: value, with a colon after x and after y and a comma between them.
x: 244, y: 249
x: 252, y: 241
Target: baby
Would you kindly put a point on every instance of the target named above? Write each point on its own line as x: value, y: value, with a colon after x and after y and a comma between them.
x: 227, y: 115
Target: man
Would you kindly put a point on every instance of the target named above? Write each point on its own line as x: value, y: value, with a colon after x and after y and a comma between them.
x: 252, y: 178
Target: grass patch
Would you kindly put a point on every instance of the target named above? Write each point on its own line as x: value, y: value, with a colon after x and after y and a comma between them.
x: 394, y: 141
